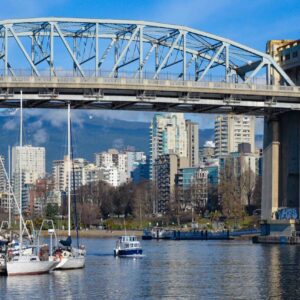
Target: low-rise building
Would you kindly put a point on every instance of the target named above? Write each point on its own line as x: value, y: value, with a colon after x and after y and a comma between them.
x: 192, y: 188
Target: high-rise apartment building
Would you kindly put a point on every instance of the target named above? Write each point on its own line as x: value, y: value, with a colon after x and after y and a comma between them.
x: 31, y: 160
x: 192, y: 187
x: 165, y: 169
x: 287, y: 54
x: 60, y: 173
x: 117, y: 165
x: 172, y: 134
x: 3, y: 183
x: 192, y: 129
x: 232, y: 130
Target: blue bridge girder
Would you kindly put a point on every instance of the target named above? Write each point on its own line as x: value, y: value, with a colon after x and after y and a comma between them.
x: 123, y: 64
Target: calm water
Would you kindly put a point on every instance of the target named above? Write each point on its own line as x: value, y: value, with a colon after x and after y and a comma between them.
x: 172, y: 270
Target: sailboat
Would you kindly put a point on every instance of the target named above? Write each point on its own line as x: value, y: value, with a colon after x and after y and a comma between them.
x: 26, y: 262
x: 70, y: 257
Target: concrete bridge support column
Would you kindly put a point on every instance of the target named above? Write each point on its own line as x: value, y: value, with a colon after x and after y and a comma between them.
x: 281, y: 163
x: 270, y: 169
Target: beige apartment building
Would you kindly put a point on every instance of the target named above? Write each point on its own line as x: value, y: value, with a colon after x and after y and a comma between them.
x: 232, y: 130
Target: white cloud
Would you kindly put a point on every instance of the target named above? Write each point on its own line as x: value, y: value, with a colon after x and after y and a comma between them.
x: 118, y: 143
x: 40, y: 137
x: 10, y: 125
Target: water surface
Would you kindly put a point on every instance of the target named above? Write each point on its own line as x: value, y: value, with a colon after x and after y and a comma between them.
x: 170, y: 270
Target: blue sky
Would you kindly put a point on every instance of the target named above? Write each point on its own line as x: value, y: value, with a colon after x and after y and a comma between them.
x: 249, y: 22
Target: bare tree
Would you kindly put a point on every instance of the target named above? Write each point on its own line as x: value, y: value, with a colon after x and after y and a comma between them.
x: 247, y: 185
x: 230, y: 193
x: 256, y: 197
x: 89, y: 214
x: 142, y: 200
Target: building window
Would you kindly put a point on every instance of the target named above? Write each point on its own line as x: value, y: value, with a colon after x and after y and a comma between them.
x: 295, y: 54
x: 287, y: 56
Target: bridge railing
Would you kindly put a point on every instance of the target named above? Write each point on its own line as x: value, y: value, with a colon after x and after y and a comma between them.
x: 148, y: 82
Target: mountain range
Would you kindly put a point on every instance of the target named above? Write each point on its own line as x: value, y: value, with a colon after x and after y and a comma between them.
x: 91, y: 133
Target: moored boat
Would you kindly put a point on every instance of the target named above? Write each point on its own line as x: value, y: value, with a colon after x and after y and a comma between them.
x: 70, y: 257
x: 128, y: 246
x: 29, y: 265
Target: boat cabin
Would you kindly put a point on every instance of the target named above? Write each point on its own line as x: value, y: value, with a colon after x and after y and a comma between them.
x: 126, y: 242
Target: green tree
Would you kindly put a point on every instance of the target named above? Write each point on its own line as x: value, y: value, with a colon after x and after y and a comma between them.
x: 51, y: 211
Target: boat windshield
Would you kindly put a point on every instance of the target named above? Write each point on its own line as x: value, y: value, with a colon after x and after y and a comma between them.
x: 129, y: 238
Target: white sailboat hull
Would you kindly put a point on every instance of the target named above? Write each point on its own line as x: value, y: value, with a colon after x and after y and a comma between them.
x: 68, y: 263
x: 23, y: 267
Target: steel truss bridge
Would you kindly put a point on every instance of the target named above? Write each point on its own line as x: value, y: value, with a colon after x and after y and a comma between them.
x: 136, y: 65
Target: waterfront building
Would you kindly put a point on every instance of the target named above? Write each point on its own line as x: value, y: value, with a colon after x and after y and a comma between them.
x: 3, y: 182
x: 172, y: 134
x: 117, y: 166
x: 4, y: 202
x: 207, y: 152
x: 245, y: 166
x: 168, y: 135
x: 60, y: 173
x: 55, y: 197
x: 287, y: 54
x: 192, y: 129
x: 32, y: 162
x: 140, y: 171
x: 165, y: 169
x: 134, y: 159
x: 92, y: 173
x: 232, y: 130
x: 212, y: 168
x: 112, y: 176
x: 4, y: 197
x: 192, y: 188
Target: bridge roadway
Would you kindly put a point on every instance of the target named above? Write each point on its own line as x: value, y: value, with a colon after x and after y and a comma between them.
x: 147, y: 95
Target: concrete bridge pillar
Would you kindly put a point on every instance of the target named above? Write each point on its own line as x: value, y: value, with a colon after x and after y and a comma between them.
x: 281, y: 163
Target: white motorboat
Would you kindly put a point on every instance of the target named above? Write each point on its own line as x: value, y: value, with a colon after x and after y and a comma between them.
x: 128, y: 246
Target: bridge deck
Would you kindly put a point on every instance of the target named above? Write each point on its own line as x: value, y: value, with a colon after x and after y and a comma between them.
x: 145, y: 94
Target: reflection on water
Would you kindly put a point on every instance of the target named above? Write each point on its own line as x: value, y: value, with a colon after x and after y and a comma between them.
x: 170, y: 269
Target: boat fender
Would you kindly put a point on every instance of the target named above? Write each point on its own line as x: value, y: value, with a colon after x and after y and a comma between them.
x: 10, y: 253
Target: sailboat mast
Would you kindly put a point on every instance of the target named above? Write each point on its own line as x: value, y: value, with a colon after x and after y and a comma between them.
x: 20, y: 167
x: 9, y: 195
x: 69, y: 169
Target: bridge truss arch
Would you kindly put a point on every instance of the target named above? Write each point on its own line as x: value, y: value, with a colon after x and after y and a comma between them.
x: 136, y: 65
x: 123, y: 48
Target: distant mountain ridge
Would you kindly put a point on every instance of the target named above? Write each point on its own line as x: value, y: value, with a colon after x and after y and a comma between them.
x: 90, y: 135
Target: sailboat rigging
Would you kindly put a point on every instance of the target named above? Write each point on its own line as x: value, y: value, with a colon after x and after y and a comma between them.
x: 26, y: 261
x: 70, y: 257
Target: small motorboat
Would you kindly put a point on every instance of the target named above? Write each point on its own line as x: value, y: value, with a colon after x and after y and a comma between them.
x: 128, y: 246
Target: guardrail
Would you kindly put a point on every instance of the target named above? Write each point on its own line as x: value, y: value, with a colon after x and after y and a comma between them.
x: 149, y: 82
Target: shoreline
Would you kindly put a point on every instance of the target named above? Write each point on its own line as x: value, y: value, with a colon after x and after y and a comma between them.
x: 94, y: 233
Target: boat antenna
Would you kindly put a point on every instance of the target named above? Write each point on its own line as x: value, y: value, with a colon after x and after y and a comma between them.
x: 124, y: 225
